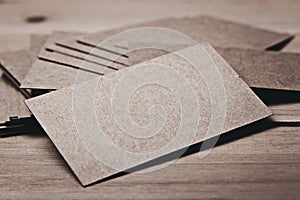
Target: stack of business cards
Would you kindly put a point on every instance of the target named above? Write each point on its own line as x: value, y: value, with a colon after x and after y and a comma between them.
x: 113, y: 100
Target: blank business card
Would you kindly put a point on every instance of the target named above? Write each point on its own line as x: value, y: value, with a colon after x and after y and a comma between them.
x: 123, y: 119
x: 62, y: 56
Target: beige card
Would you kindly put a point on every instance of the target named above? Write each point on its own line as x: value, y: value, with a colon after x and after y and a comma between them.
x: 276, y: 74
x: 115, y: 122
x: 200, y: 28
x: 264, y: 69
x: 61, y: 58
x: 11, y: 99
x: 15, y: 65
x: 259, y: 69
x: 15, y: 70
x: 214, y: 30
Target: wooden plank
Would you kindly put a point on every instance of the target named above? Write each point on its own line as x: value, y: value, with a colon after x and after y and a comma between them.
x: 19, y: 18
x: 264, y: 165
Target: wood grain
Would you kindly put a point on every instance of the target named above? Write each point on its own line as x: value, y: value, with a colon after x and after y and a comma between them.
x: 264, y: 165
x: 70, y: 15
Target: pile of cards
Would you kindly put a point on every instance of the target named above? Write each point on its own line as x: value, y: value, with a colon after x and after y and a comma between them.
x: 113, y: 100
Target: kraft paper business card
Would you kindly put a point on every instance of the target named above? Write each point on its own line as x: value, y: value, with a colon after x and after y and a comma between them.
x: 123, y: 119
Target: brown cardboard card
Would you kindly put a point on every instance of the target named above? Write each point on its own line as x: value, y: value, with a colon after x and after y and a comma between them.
x: 57, y: 70
x: 70, y: 53
x: 12, y: 101
x: 259, y: 69
x: 60, y: 49
x: 216, y: 31
x: 264, y: 69
x: 14, y: 114
x: 200, y: 28
x: 36, y: 44
x: 276, y: 74
x: 14, y: 70
x: 16, y: 66
x: 112, y: 123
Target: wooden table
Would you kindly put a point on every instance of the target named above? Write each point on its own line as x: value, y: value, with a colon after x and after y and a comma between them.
x: 263, y: 164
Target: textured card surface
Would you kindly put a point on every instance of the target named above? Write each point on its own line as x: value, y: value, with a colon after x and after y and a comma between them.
x: 12, y: 98
x: 16, y: 66
x: 64, y: 50
x: 60, y: 56
x: 216, y: 31
x: 112, y: 123
x: 276, y: 73
x: 264, y: 69
x: 201, y: 29
x: 259, y: 69
x: 36, y: 44
x: 12, y: 101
